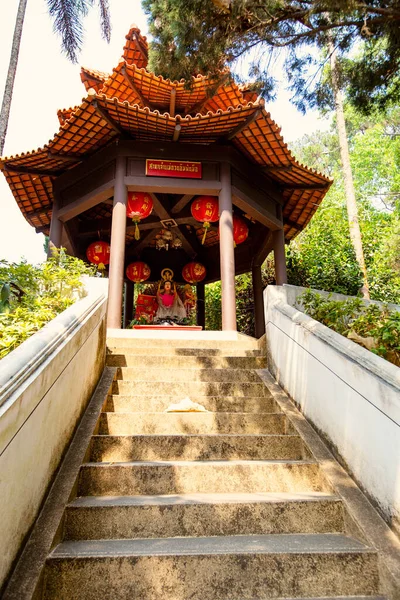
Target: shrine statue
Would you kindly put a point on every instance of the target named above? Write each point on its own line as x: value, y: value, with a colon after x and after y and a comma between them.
x: 170, y: 306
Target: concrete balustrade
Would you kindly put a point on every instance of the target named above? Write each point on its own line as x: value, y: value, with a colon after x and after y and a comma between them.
x: 349, y: 394
x: 45, y: 385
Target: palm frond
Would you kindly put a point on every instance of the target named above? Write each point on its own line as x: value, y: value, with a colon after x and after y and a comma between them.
x: 68, y: 16
x: 105, y: 22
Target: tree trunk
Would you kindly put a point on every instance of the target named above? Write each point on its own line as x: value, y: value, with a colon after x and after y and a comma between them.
x: 12, y: 68
x: 352, y: 210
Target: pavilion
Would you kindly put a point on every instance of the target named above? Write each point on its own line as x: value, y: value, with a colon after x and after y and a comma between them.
x: 74, y: 189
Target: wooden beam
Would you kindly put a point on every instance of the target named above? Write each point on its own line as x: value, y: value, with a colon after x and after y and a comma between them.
x: 185, y: 199
x: 43, y: 229
x: 254, y: 209
x: 159, y: 208
x: 172, y: 101
x: 91, y: 227
x: 190, y: 243
x: 67, y: 157
x: 262, y: 250
x: 169, y: 185
x: 276, y: 168
x: 39, y: 213
x: 151, y: 223
x: 177, y: 132
x: 30, y: 171
x: 107, y: 117
x: 250, y: 119
x: 169, y: 150
x: 136, y: 248
x: 304, y: 186
x: 134, y: 89
x: 293, y: 224
x: 187, y: 221
x: 87, y: 201
x: 67, y: 240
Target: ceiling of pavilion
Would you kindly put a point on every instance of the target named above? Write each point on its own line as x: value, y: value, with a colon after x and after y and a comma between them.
x: 133, y: 102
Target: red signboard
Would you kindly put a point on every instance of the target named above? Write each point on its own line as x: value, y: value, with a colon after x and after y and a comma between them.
x: 173, y: 168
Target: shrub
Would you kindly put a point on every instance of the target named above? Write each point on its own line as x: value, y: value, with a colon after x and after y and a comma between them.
x: 374, y: 327
x: 31, y: 296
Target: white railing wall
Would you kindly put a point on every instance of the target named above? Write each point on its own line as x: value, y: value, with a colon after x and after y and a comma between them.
x: 45, y: 385
x: 349, y: 394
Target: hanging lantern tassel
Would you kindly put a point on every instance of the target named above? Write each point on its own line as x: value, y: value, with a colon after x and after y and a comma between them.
x: 206, y: 227
x: 101, y: 266
x: 137, y: 230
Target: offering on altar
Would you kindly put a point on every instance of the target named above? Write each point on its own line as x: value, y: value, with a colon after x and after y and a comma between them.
x: 170, y: 306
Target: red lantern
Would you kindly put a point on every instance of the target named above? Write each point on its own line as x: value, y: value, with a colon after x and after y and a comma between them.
x: 240, y: 230
x: 138, y: 207
x: 205, y: 210
x: 138, y: 272
x: 194, y: 272
x: 98, y: 254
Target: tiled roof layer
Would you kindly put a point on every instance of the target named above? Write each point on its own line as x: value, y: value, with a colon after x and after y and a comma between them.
x: 133, y: 101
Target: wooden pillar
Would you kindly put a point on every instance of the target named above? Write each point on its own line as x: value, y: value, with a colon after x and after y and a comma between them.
x: 117, y: 247
x: 201, y: 307
x: 56, y: 231
x: 227, y: 256
x: 278, y: 239
x: 259, y: 319
x: 128, y: 304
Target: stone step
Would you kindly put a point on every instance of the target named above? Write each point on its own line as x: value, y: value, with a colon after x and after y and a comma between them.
x: 198, y: 515
x: 171, y: 351
x: 343, y: 598
x: 153, y: 403
x: 221, y: 568
x: 175, y: 362
x: 188, y: 477
x: 131, y: 423
x: 183, y: 389
x: 167, y: 342
x: 111, y: 448
x: 153, y: 374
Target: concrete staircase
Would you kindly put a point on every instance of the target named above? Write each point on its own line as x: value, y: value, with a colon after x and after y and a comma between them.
x: 223, y: 505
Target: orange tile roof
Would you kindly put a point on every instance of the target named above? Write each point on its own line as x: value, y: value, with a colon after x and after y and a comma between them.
x: 93, y: 79
x: 136, y: 48
x: 133, y: 100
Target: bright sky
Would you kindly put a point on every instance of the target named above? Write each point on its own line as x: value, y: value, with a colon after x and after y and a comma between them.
x: 47, y: 81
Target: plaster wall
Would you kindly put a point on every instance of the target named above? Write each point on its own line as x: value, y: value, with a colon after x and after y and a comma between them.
x: 45, y: 385
x: 349, y: 394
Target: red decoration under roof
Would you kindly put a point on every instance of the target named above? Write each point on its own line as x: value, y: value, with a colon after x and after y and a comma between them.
x: 138, y: 272
x: 98, y: 254
x: 194, y: 272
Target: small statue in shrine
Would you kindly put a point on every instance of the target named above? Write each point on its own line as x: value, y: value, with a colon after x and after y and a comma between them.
x: 170, y: 306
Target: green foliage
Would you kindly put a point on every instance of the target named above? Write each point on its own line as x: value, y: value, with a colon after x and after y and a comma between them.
x: 213, y: 306
x: 202, y: 37
x: 31, y: 296
x: 244, y: 302
x: 375, y: 327
x: 322, y: 256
